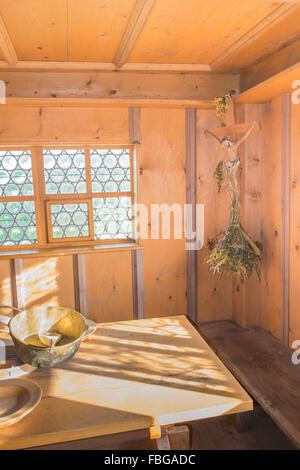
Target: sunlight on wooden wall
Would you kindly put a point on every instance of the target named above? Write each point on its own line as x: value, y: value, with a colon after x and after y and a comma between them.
x: 37, y: 284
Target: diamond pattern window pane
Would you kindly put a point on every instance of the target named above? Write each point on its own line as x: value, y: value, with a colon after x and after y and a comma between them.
x: 17, y: 223
x: 112, y: 218
x: 64, y: 171
x: 110, y: 170
x: 15, y: 173
x: 70, y: 220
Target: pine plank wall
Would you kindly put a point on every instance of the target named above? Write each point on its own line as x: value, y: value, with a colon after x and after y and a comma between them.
x: 271, y: 173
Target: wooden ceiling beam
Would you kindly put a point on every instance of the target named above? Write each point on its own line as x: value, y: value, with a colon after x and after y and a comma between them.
x: 7, y: 50
x: 102, y: 66
x: 133, y: 30
x: 58, y: 88
x: 272, y: 19
x: 108, y: 103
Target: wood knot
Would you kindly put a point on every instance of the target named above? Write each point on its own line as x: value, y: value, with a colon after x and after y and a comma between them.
x: 255, y: 195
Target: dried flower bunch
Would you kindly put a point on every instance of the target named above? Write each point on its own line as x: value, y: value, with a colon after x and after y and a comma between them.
x: 219, y: 174
x: 233, y: 252
x: 222, y: 104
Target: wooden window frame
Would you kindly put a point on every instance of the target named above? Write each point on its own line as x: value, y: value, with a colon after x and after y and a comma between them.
x: 43, y: 201
x: 52, y: 239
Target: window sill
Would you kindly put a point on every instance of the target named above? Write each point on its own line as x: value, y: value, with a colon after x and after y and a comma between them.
x: 62, y: 251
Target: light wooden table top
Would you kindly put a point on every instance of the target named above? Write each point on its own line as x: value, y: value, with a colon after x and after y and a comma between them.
x: 127, y: 376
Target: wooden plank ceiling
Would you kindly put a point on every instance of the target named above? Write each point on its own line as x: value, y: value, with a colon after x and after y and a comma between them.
x: 228, y: 35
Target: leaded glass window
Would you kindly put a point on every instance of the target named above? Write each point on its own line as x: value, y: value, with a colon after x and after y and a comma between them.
x: 15, y: 173
x: 70, y: 220
x: 17, y: 223
x: 110, y: 170
x: 17, y: 207
x: 64, y: 171
x: 55, y: 195
x: 112, y: 218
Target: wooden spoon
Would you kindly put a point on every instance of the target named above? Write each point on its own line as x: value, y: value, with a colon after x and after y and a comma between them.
x: 50, y: 339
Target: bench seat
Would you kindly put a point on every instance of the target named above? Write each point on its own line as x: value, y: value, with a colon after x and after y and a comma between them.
x: 263, y: 366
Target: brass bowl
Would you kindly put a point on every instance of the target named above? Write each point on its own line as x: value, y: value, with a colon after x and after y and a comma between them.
x: 26, y: 326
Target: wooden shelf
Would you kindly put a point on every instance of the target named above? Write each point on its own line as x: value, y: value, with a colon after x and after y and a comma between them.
x: 272, y: 87
x: 110, y: 102
x: 46, y: 252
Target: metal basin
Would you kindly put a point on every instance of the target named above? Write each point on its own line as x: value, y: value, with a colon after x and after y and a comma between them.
x: 28, y: 326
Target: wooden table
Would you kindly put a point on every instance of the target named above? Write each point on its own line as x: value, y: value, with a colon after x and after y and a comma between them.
x: 141, y: 374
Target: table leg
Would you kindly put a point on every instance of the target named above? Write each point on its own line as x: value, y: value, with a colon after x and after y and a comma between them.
x: 162, y: 443
x: 170, y: 437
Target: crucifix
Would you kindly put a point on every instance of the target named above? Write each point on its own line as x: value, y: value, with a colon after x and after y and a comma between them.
x: 232, y: 146
x: 233, y: 251
x: 223, y: 135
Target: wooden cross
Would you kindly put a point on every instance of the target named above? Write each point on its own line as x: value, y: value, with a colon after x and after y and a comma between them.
x: 231, y: 127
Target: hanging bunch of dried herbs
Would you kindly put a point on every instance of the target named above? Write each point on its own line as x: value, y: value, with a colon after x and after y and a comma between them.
x: 233, y: 252
x: 222, y: 104
x: 219, y: 174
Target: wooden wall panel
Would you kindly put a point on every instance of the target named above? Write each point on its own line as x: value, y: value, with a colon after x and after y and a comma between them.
x: 246, y: 297
x: 214, y: 294
x: 65, y: 125
x: 109, y: 286
x: 162, y: 180
x: 295, y: 226
x: 271, y: 229
x: 270, y: 212
x: 47, y: 281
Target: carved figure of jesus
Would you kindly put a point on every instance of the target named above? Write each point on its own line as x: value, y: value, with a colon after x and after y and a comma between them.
x: 231, y: 166
x: 231, y: 146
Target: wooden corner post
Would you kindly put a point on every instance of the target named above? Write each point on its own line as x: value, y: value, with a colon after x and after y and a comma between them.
x: 285, y: 215
x: 137, y: 256
x: 191, y: 199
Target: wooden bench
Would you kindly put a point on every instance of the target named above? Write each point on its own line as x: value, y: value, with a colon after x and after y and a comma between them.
x: 263, y: 366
